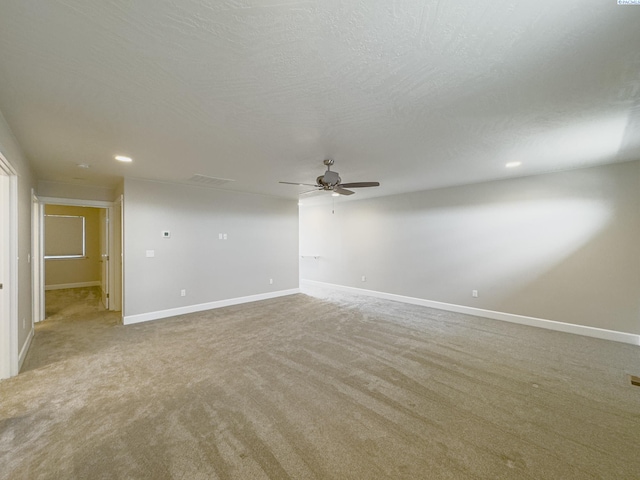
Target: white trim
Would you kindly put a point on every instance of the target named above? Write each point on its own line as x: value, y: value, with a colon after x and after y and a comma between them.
x: 602, y: 333
x: 172, y: 312
x: 62, y: 286
x: 37, y: 254
x: 74, y: 202
x: 25, y: 348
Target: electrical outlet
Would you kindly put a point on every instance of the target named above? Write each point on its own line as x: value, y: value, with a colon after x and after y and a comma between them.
x: 183, y: 293
x: 271, y: 281
x: 364, y: 279
x: 224, y: 236
x: 474, y: 293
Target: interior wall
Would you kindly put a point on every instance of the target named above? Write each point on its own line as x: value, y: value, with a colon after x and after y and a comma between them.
x: 73, y: 271
x: 262, y: 244
x: 563, y: 246
x: 26, y: 181
x: 75, y: 191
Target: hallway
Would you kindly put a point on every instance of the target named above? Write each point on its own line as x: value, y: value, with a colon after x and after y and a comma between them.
x: 58, y: 336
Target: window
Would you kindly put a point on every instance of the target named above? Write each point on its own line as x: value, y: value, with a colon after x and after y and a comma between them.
x: 64, y: 236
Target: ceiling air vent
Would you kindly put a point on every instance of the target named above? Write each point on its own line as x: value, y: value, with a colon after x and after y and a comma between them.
x: 206, y: 181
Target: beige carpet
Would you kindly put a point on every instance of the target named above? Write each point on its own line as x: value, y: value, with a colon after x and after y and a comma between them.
x: 308, y: 387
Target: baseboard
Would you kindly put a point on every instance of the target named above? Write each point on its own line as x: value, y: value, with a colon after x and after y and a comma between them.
x: 61, y: 286
x: 172, y: 312
x: 25, y: 349
x: 601, y: 333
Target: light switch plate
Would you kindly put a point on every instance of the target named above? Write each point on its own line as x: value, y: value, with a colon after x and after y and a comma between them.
x: 151, y: 253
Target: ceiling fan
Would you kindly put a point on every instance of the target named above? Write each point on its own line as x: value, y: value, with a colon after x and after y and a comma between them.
x: 331, y: 182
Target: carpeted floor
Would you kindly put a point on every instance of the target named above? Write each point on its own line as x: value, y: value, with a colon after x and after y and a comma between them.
x: 316, y: 386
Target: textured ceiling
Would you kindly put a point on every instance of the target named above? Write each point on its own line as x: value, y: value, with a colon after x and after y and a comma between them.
x: 414, y: 94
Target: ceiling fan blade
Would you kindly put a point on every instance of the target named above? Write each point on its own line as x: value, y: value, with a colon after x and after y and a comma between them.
x: 360, y: 184
x: 299, y: 184
x: 311, y: 191
x: 343, y: 191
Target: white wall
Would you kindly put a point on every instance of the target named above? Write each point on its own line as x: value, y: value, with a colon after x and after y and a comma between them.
x: 262, y: 244
x: 562, y: 246
x: 13, y: 153
x: 75, y: 191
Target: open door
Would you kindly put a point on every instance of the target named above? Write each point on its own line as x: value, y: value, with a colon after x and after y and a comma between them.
x: 5, y: 325
x: 104, y: 256
x: 8, y: 271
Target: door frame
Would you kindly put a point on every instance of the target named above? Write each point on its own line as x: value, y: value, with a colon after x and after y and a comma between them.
x: 74, y: 202
x: 37, y: 256
x: 9, y: 250
x: 105, y: 256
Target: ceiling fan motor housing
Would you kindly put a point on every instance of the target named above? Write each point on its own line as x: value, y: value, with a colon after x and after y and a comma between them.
x: 329, y: 179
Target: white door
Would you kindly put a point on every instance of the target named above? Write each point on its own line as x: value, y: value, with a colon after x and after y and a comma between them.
x: 8, y: 271
x: 5, y: 326
x: 104, y: 255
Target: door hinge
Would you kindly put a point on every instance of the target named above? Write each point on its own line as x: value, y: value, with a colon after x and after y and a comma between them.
x: 1, y: 286
x: 107, y: 295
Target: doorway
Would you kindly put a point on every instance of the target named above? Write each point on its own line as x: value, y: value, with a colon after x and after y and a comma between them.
x: 77, y: 249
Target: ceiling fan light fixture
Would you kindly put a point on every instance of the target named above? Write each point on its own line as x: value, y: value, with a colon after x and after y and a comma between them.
x: 335, y: 194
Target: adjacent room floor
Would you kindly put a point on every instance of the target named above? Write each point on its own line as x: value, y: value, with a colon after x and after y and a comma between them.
x: 316, y: 386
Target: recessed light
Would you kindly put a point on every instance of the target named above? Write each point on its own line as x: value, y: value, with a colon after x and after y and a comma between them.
x: 122, y: 158
x: 83, y: 165
x: 513, y: 164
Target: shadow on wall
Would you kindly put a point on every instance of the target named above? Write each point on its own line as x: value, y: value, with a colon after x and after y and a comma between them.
x: 516, y: 242
x: 599, y: 295
x: 556, y: 246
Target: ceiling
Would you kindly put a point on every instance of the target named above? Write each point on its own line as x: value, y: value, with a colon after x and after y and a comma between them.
x: 416, y: 94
